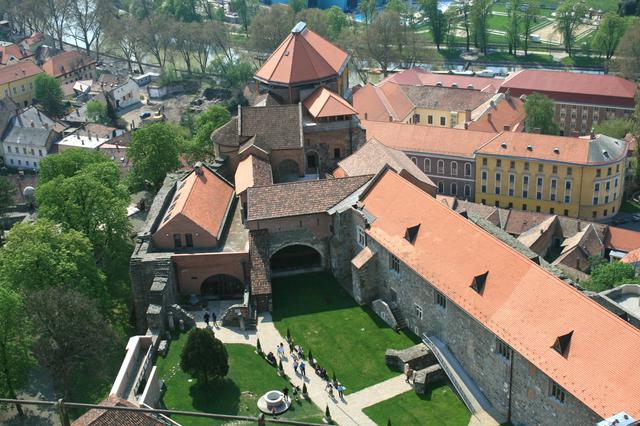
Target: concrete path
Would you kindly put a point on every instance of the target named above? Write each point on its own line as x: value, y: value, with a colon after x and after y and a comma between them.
x: 378, y: 393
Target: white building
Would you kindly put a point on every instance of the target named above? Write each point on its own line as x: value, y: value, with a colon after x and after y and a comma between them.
x: 80, y: 141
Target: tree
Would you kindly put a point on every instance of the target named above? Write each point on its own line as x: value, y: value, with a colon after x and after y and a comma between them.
x: 204, y: 356
x: 270, y: 26
x: 609, y: 33
x: 125, y: 32
x: 608, y: 275
x: 627, y: 56
x: 97, y: 112
x: 73, y: 338
x: 183, y: 10
x: 40, y: 255
x: 380, y: 38
x: 154, y: 152
x: 397, y: 6
x: 480, y: 13
x: 157, y: 35
x: 316, y: 20
x: 49, y: 94
x: 337, y: 20
x: 513, y: 30
x: 616, y: 128
x: 68, y: 163
x: 15, y: 342
x: 94, y: 202
x: 530, y: 12
x: 246, y: 10
x: 465, y: 8
x: 367, y: 10
x: 438, y: 22
x: 569, y: 16
x: 206, y: 122
x: 297, y: 5
x: 539, y: 110
x: 7, y: 191
x: 57, y: 11
x: 88, y: 16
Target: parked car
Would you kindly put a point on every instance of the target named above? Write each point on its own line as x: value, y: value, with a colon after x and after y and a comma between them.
x: 145, y: 114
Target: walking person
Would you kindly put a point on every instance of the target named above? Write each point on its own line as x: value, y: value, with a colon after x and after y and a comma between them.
x: 295, y: 366
x: 302, y: 369
x: 340, y: 389
x: 330, y: 391
x: 409, y: 375
x: 214, y: 318
x: 281, y: 351
x: 206, y: 318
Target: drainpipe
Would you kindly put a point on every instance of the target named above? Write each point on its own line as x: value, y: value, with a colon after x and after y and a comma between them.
x: 510, y: 384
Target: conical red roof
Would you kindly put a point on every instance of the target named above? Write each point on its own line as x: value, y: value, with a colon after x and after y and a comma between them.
x: 302, y: 57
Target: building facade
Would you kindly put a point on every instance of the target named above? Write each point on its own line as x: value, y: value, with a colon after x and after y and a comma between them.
x: 575, y: 177
x: 28, y: 139
x: 17, y: 82
x: 70, y: 66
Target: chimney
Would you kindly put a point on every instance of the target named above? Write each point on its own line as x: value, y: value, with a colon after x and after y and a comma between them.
x: 506, y: 128
x: 366, y: 115
x: 198, y: 168
x: 390, y: 119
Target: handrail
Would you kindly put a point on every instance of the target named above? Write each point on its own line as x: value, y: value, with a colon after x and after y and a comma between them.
x: 436, y: 351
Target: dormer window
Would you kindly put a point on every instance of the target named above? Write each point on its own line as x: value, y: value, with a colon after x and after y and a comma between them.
x: 412, y: 233
x: 563, y: 344
x: 479, y: 282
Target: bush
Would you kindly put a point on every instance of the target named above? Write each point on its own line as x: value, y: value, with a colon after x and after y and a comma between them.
x: 204, y: 356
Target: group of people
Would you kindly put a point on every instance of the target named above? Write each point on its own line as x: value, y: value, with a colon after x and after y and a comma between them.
x: 210, y: 316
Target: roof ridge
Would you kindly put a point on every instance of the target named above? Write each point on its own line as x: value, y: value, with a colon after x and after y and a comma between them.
x: 309, y: 181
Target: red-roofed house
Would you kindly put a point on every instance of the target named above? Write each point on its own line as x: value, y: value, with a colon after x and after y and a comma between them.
x: 11, y: 54
x: 70, y: 66
x: 302, y: 62
x: 17, y: 82
x: 582, y: 100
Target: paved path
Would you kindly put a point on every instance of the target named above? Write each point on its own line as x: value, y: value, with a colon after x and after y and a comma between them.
x: 378, y: 392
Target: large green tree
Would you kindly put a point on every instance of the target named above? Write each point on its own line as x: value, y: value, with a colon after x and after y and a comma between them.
x: 7, y: 191
x: 154, y: 151
x: 627, y: 55
x: 616, y: 128
x: 609, y: 33
x: 608, y: 275
x: 438, y: 21
x: 539, y: 110
x: 246, y: 10
x: 513, y: 26
x: 337, y: 20
x: 97, y: 112
x: 49, y: 94
x: 183, y: 10
x: 15, y: 343
x: 270, y: 26
x: 381, y: 38
x: 73, y: 339
x: 480, y: 14
x: 68, y: 163
x: 92, y: 201
x: 204, y: 356
x: 569, y: 17
x: 201, y: 147
x: 530, y: 12
x: 40, y: 255
x: 367, y: 10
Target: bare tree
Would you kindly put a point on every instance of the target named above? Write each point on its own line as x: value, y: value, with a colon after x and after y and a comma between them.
x: 270, y: 26
x: 58, y: 11
x: 88, y: 16
x: 157, y: 35
x: 381, y: 38
x: 124, y: 32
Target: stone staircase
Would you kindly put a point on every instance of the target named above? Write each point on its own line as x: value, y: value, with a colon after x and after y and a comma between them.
x: 397, y: 314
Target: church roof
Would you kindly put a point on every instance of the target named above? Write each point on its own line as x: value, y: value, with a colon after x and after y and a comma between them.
x: 302, y: 57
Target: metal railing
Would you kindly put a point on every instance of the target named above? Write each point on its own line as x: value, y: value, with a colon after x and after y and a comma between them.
x: 436, y: 351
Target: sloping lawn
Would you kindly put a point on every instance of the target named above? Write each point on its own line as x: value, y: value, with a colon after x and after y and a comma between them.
x: 439, y: 406
x: 344, y: 337
x: 249, y: 378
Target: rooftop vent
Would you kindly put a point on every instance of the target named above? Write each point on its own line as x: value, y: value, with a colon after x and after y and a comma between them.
x: 605, y: 153
x: 454, y: 85
x: 563, y: 343
x: 198, y: 168
x: 479, y: 281
x: 412, y: 233
x: 286, y: 53
x: 300, y: 27
x: 470, y: 86
x: 503, y: 145
x: 464, y: 213
x: 556, y: 150
x: 529, y: 147
x: 439, y: 84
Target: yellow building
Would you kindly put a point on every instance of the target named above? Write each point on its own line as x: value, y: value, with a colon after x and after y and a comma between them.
x: 17, y: 82
x: 578, y: 177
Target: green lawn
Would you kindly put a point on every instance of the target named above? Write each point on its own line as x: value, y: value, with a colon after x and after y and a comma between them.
x: 630, y: 206
x: 249, y: 378
x: 583, y: 61
x: 530, y: 58
x: 344, y: 337
x: 440, y: 406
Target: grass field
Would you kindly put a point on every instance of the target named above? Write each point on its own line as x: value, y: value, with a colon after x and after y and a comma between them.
x: 250, y: 377
x: 344, y: 337
x: 440, y: 406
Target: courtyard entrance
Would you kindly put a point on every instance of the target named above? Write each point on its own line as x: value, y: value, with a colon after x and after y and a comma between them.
x: 296, y: 258
x: 222, y: 286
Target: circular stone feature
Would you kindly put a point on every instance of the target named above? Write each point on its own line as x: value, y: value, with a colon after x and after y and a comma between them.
x: 273, y: 402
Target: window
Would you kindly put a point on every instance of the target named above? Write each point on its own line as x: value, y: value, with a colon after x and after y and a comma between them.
x: 443, y: 121
x: 483, y: 188
x: 440, y: 300
x: 554, y: 170
x: 454, y: 168
x: 454, y: 188
x: 595, y: 201
x: 27, y: 162
x: 32, y: 151
x: 40, y: 152
x: 538, y: 195
x: 524, y: 207
x: 552, y: 210
x: 418, y: 311
x: 554, y: 183
x: 512, y: 179
x: 361, y: 237
x: 503, y: 349
x: 538, y: 209
x: 440, y: 167
x: 496, y: 203
x: 11, y: 161
x: 498, y: 163
x: 484, y: 161
x: 540, y: 182
x: 498, y: 176
x: 467, y: 192
x: 484, y: 175
x: 607, y: 186
x: 594, y: 214
x: 188, y: 239
x: 512, y: 165
x: 511, y: 192
x: 540, y: 168
x: 609, y: 171
x: 526, y: 165
x: 440, y: 187
x: 615, y: 183
x: 35, y: 164
x: 617, y: 168
x: 606, y: 198
x: 566, y: 212
x: 394, y: 263
x: 8, y: 148
x: 416, y: 118
x: 467, y: 169
x: 596, y: 187
x: 415, y: 160
x: 427, y: 165
x: 430, y: 119
x: 24, y: 151
x: 510, y: 205
x: 19, y: 162
x: 598, y: 172
x: 336, y: 153
x: 177, y: 240
x: 556, y: 392
x: 497, y: 188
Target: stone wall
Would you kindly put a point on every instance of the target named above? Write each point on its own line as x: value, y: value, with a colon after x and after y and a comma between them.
x: 475, y: 348
x: 324, y: 138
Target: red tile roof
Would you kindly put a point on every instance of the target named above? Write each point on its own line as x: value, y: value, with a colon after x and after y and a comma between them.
x: 622, y: 239
x: 420, y: 77
x: 12, y: 50
x: 203, y: 199
x: 508, y: 112
x: 325, y: 103
x: 66, y: 62
x: 252, y: 171
x: 97, y: 417
x: 427, y: 139
x: 18, y: 71
x: 303, y: 57
x: 632, y: 257
x: 569, y: 86
x: 522, y: 304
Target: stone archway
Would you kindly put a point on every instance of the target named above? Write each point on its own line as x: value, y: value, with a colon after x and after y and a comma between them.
x: 286, y: 171
x: 222, y: 286
x: 295, y: 258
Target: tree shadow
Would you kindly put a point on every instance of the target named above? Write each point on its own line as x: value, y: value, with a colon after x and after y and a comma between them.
x: 217, y: 396
x: 28, y: 420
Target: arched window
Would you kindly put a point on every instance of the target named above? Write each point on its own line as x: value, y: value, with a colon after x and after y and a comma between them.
x: 440, y: 167
x: 454, y: 168
x: 467, y: 169
x: 454, y: 188
x: 427, y: 165
x: 440, y: 187
x: 467, y: 192
x: 415, y: 160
